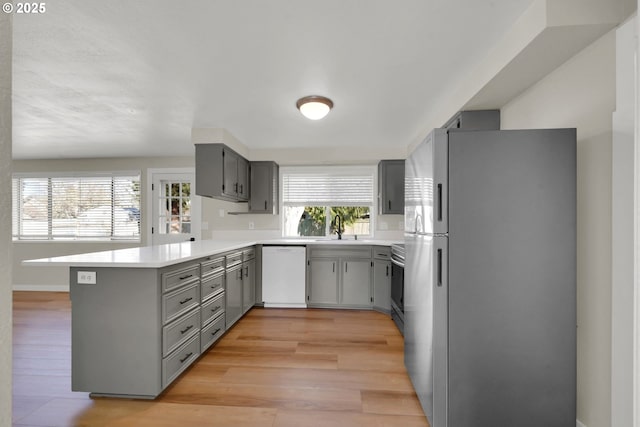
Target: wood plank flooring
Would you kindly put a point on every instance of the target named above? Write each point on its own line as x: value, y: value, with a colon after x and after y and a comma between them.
x: 275, y: 368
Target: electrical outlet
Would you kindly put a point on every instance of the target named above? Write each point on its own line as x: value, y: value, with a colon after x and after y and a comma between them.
x: 252, y: 225
x: 87, y: 277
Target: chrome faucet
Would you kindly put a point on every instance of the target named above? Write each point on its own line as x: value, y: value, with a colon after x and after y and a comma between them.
x: 338, y: 223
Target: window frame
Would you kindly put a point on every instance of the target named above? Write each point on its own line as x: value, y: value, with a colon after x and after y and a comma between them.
x: 50, y: 237
x: 337, y: 169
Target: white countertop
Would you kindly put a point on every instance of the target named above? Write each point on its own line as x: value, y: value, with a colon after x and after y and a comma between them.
x: 173, y: 253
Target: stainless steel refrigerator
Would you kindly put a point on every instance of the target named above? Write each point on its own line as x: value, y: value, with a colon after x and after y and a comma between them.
x: 490, y: 277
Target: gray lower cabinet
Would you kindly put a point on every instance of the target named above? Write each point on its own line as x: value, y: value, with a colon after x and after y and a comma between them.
x: 213, y: 301
x: 248, y: 285
x: 382, y: 279
x: 137, y: 329
x: 234, y: 276
x: 323, y: 281
x: 339, y: 276
x: 355, y: 289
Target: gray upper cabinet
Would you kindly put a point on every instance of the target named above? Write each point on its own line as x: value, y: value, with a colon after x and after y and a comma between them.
x: 243, y: 179
x: 264, y: 188
x: 391, y: 187
x: 221, y: 173
x: 475, y: 120
x: 230, y: 174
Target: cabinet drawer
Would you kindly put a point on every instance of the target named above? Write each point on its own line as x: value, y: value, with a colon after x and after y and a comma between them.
x: 211, y: 266
x: 179, y: 302
x: 180, y: 360
x: 211, y: 333
x: 176, y: 333
x: 382, y: 252
x: 212, y: 286
x: 248, y: 254
x: 234, y: 258
x: 339, y: 251
x: 213, y: 308
x: 176, y: 278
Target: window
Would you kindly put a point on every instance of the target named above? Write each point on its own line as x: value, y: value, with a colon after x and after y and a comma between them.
x: 63, y: 207
x: 175, y: 207
x: 313, y: 197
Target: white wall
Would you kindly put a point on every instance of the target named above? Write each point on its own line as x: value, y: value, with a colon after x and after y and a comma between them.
x: 5, y: 219
x: 622, y: 295
x: 581, y: 94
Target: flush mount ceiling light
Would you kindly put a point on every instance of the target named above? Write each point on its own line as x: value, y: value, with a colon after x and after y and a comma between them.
x: 314, y: 107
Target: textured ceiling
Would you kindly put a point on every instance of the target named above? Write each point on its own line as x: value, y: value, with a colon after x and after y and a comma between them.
x: 131, y: 78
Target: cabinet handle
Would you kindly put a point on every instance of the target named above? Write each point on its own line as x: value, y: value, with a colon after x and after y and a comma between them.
x: 346, y: 267
x: 241, y: 188
x: 185, y: 277
x: 186, y: 357
x: 213, y: 310
x: 334, y: 267
x: 265, y: 205
x: 216, y: 331
x: 186, y: 300
x: 235, y: 187
x: 246, y: 271
x: 186, y: 329
x: 389, y: 204
x: 387, y: 271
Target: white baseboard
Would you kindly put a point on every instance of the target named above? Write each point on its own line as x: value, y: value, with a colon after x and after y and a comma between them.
x: 579, y: 424
x: 41, y: 288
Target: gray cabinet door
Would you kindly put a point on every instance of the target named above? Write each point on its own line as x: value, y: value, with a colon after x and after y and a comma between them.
x: 209, y: 170
x: 356, y: 282
x: 382, y: 285
x: 234, y: 294
x: 391, y: 186
x: 263, y: 197
x: 248, y: 285
x: 230, y: 170
x: 243, y: 179
x: 323, y: 281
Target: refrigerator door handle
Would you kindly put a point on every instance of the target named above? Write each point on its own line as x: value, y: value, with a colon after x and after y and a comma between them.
x: 439, y: 202
x: 439, y: 281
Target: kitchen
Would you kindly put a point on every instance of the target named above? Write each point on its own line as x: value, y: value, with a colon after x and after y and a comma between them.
x: 575, y: 75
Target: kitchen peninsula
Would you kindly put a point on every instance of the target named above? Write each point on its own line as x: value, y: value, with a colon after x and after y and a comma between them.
x: 141, y: 316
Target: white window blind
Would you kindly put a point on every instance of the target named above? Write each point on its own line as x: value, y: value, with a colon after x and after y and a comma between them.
x: 101, y: 206
x: 328, y: 186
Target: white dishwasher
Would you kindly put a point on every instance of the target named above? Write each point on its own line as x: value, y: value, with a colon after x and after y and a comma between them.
x: 283, y: 276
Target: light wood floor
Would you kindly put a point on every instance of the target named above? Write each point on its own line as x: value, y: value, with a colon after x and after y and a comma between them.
x: 275, y: 368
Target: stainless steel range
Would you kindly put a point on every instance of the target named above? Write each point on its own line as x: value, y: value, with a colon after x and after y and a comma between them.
x: 397, y: 285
